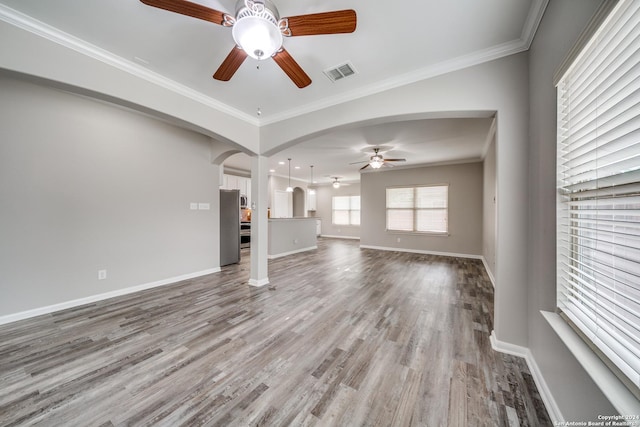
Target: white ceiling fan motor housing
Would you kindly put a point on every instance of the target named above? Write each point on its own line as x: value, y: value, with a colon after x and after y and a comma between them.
x: 256, y: 28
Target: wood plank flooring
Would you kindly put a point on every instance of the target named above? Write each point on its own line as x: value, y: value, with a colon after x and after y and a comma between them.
x: 348, y: 337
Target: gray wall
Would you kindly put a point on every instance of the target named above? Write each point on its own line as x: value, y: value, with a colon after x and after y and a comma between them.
x: 499, y: 87
x: 489, y: 200
x: 291, y: 235
x: 55, y: 271
x: 279, y: 183
x: 465, y: 209
x: 86, y: 186
x: 324, y: 195
x: 576, y: 395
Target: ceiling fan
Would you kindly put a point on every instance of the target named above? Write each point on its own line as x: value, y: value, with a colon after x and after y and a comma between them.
x: 377, y: 161
x: 258, y: 31
x: 336, y: 183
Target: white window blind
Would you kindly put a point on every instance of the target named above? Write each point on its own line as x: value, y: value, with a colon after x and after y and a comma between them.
x: 346, y: 210
x: 418, y: 209
x: 598, y: 223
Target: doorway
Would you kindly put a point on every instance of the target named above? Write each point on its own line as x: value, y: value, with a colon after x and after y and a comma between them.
x: 298, y: 202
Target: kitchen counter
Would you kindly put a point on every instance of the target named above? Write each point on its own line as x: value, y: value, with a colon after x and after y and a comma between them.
x: 309, y: 218
x: 288, y: 236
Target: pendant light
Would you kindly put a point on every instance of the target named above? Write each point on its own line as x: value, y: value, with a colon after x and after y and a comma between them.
x: 311, y: 188
x: 289, y: 188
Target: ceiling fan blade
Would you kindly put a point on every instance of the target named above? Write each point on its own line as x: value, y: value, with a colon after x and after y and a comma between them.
x: 187, y: 8
x: 337, y: 22
x: 365, y: 166
x: 292, y: 69
x: 355, y: 163
x: 395, y: 160
x: 230, y: 65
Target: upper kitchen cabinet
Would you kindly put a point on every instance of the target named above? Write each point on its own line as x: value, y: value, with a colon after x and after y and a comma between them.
x: 311, y: 201
x: 230, y: 182
x: 234, y: 182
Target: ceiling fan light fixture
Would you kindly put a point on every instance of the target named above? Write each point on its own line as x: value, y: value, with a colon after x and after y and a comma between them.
x: 376, y: 161
x: 256, y: 29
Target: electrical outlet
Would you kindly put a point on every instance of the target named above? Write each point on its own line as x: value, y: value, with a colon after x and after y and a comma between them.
x: 295, y: 241
x: 398, y: 240
x: 102, y: 274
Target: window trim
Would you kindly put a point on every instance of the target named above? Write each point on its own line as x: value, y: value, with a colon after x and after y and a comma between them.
x: 348, y: 210
x: 388, y: 230
x: 620, y: 391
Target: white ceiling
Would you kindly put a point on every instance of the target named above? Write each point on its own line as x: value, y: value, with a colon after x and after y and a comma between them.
x: 420, y: 142
x: 395, y: 43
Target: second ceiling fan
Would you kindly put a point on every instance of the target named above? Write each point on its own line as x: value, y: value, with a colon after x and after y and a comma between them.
x: 258, y: 32
x: 377, y: 160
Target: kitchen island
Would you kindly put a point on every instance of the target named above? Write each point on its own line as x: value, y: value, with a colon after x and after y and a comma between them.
x: 291, y: 235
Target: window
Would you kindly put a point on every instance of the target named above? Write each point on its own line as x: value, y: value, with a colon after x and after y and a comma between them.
x: 418, y: 209
x: 598, y: 222
x: 346, y: 210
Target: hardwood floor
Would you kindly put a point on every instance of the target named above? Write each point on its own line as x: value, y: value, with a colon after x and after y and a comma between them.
x: 348, y: 337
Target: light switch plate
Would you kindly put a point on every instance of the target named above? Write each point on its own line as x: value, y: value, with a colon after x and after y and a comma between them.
x: 193, y: 206
x: 204, y: 206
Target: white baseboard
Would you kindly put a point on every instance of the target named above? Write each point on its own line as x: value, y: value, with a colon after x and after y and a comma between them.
x: 489, y: 273
x: 419, y: 251
x: 329, y: 236
x: 99, y: 297
x: 545, y: 393
x: 258, y: 282
x: 297, y: 251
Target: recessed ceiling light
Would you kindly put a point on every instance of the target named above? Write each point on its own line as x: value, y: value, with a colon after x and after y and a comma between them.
x: 281, y: 163
x: 296, y: 167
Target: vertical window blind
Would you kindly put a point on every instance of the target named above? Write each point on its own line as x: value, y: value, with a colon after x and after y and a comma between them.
x: 346, y: 210
x: 419, y: 209
x: 598, y: 215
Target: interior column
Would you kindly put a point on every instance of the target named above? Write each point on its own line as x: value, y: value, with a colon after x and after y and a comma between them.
x: 259, y: 221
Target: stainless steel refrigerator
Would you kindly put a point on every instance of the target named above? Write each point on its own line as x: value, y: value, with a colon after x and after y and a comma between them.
x: 229, y: 227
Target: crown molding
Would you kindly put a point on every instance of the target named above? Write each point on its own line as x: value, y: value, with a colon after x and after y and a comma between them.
x: 53, y: 34
x: 302, y: 180
x: 39, y: 28
x: 433, y: 70
x: 536, y: 12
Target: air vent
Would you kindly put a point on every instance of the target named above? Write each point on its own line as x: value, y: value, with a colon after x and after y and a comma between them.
x: 340, y: 72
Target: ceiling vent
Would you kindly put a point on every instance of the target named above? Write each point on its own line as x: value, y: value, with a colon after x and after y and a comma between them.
x: 340, y: 71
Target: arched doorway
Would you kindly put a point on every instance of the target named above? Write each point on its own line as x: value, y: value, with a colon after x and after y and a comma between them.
x: 298, y: 202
